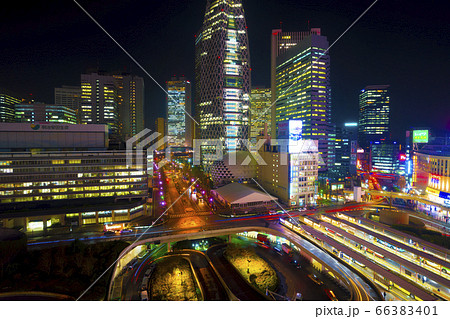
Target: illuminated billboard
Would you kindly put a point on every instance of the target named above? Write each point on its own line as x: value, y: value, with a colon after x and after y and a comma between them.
x: 420, y: 136
x: 291, y: 130
x: 295, y: 135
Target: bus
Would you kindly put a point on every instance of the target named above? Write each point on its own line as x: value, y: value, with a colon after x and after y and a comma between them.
x: 263, y: 239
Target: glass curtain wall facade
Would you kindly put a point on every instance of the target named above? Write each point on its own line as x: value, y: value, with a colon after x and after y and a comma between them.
x: 304, y: 92
x: 178, y: 104
x: 280, y: 43
x: 374, y: 115
x: 222, y: 76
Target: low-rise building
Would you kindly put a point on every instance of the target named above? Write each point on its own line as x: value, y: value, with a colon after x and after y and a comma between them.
x: 63, y: 174
x: 431, y: 173
x: 290, y: 176
x: 40, y: 112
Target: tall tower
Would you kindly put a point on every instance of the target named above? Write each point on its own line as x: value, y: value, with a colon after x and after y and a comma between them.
x: 374, y: 110
x: 130, y: 99
x: 222, y: 74
x: 178, y: 108
x: 281, y: 42
x: 99, y: 101
x: 259, y: 111
x: 304, y: 91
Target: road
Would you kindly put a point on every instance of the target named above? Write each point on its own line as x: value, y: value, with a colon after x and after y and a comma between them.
x: 295, y: 279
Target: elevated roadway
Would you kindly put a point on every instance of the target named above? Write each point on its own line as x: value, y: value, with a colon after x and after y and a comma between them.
x: 360, y: 289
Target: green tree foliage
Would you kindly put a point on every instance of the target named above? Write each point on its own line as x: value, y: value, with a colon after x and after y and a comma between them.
x: 173, y: 280
x: 252, y: 267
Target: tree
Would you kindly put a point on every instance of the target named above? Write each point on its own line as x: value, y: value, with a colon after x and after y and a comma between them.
x: 44, y: 263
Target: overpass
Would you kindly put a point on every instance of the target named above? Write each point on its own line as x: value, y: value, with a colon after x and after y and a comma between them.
x: 359, y: 288
x: 403, y: 196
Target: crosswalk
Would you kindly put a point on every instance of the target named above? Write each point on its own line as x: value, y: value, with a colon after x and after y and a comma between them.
x: 180, y: 215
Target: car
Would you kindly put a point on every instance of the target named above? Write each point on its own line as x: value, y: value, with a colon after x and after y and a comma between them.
x: 189, y: 210
x: 331, y: 295
x: 144, y: 295
x: 272, y: 212
x: 126, y: 231
x: 147, y: 273
x: 108, y: 232
x: 278, y: 250
x: 316, y: 279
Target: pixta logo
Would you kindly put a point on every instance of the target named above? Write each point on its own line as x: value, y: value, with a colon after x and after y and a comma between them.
x: 142, y: 144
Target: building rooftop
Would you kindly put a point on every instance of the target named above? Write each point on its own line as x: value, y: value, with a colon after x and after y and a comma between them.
x: 436, y: 150
x: 236, y: 193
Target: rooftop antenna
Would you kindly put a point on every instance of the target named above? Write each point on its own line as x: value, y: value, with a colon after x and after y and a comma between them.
x: 308, y: 25
x: 281, y: 25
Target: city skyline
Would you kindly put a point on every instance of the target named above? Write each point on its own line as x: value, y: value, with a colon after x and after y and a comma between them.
x: 413, y: 77
x: 226, y: 150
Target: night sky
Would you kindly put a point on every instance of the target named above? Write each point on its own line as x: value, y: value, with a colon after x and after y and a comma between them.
x: 46, y: 44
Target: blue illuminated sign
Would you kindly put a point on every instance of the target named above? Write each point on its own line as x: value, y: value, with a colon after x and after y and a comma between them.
x: 444, y: 195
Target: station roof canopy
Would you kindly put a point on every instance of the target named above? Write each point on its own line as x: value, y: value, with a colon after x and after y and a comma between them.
x: 237, y: 193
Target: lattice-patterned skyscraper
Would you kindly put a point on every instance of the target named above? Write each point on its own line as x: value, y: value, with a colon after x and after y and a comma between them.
x: 222, y: 67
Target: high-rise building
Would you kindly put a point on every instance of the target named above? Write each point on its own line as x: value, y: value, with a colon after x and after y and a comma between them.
x: 160, y: 126
x: 69, y: 96
x: 304, y: 92
x: 179, y: 112
x: 222, y: 68
x: 345, y: 151
x: 7, y: 102
x: 280, y: 43
x: 385, y: 157
x: 99, y: 102
x: 374, y: 110
x: 130, y: 100
x: 40, y: 112
x: 260, y: 115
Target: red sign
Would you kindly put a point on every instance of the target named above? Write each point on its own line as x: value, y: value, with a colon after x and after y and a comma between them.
x: 402, y: 157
